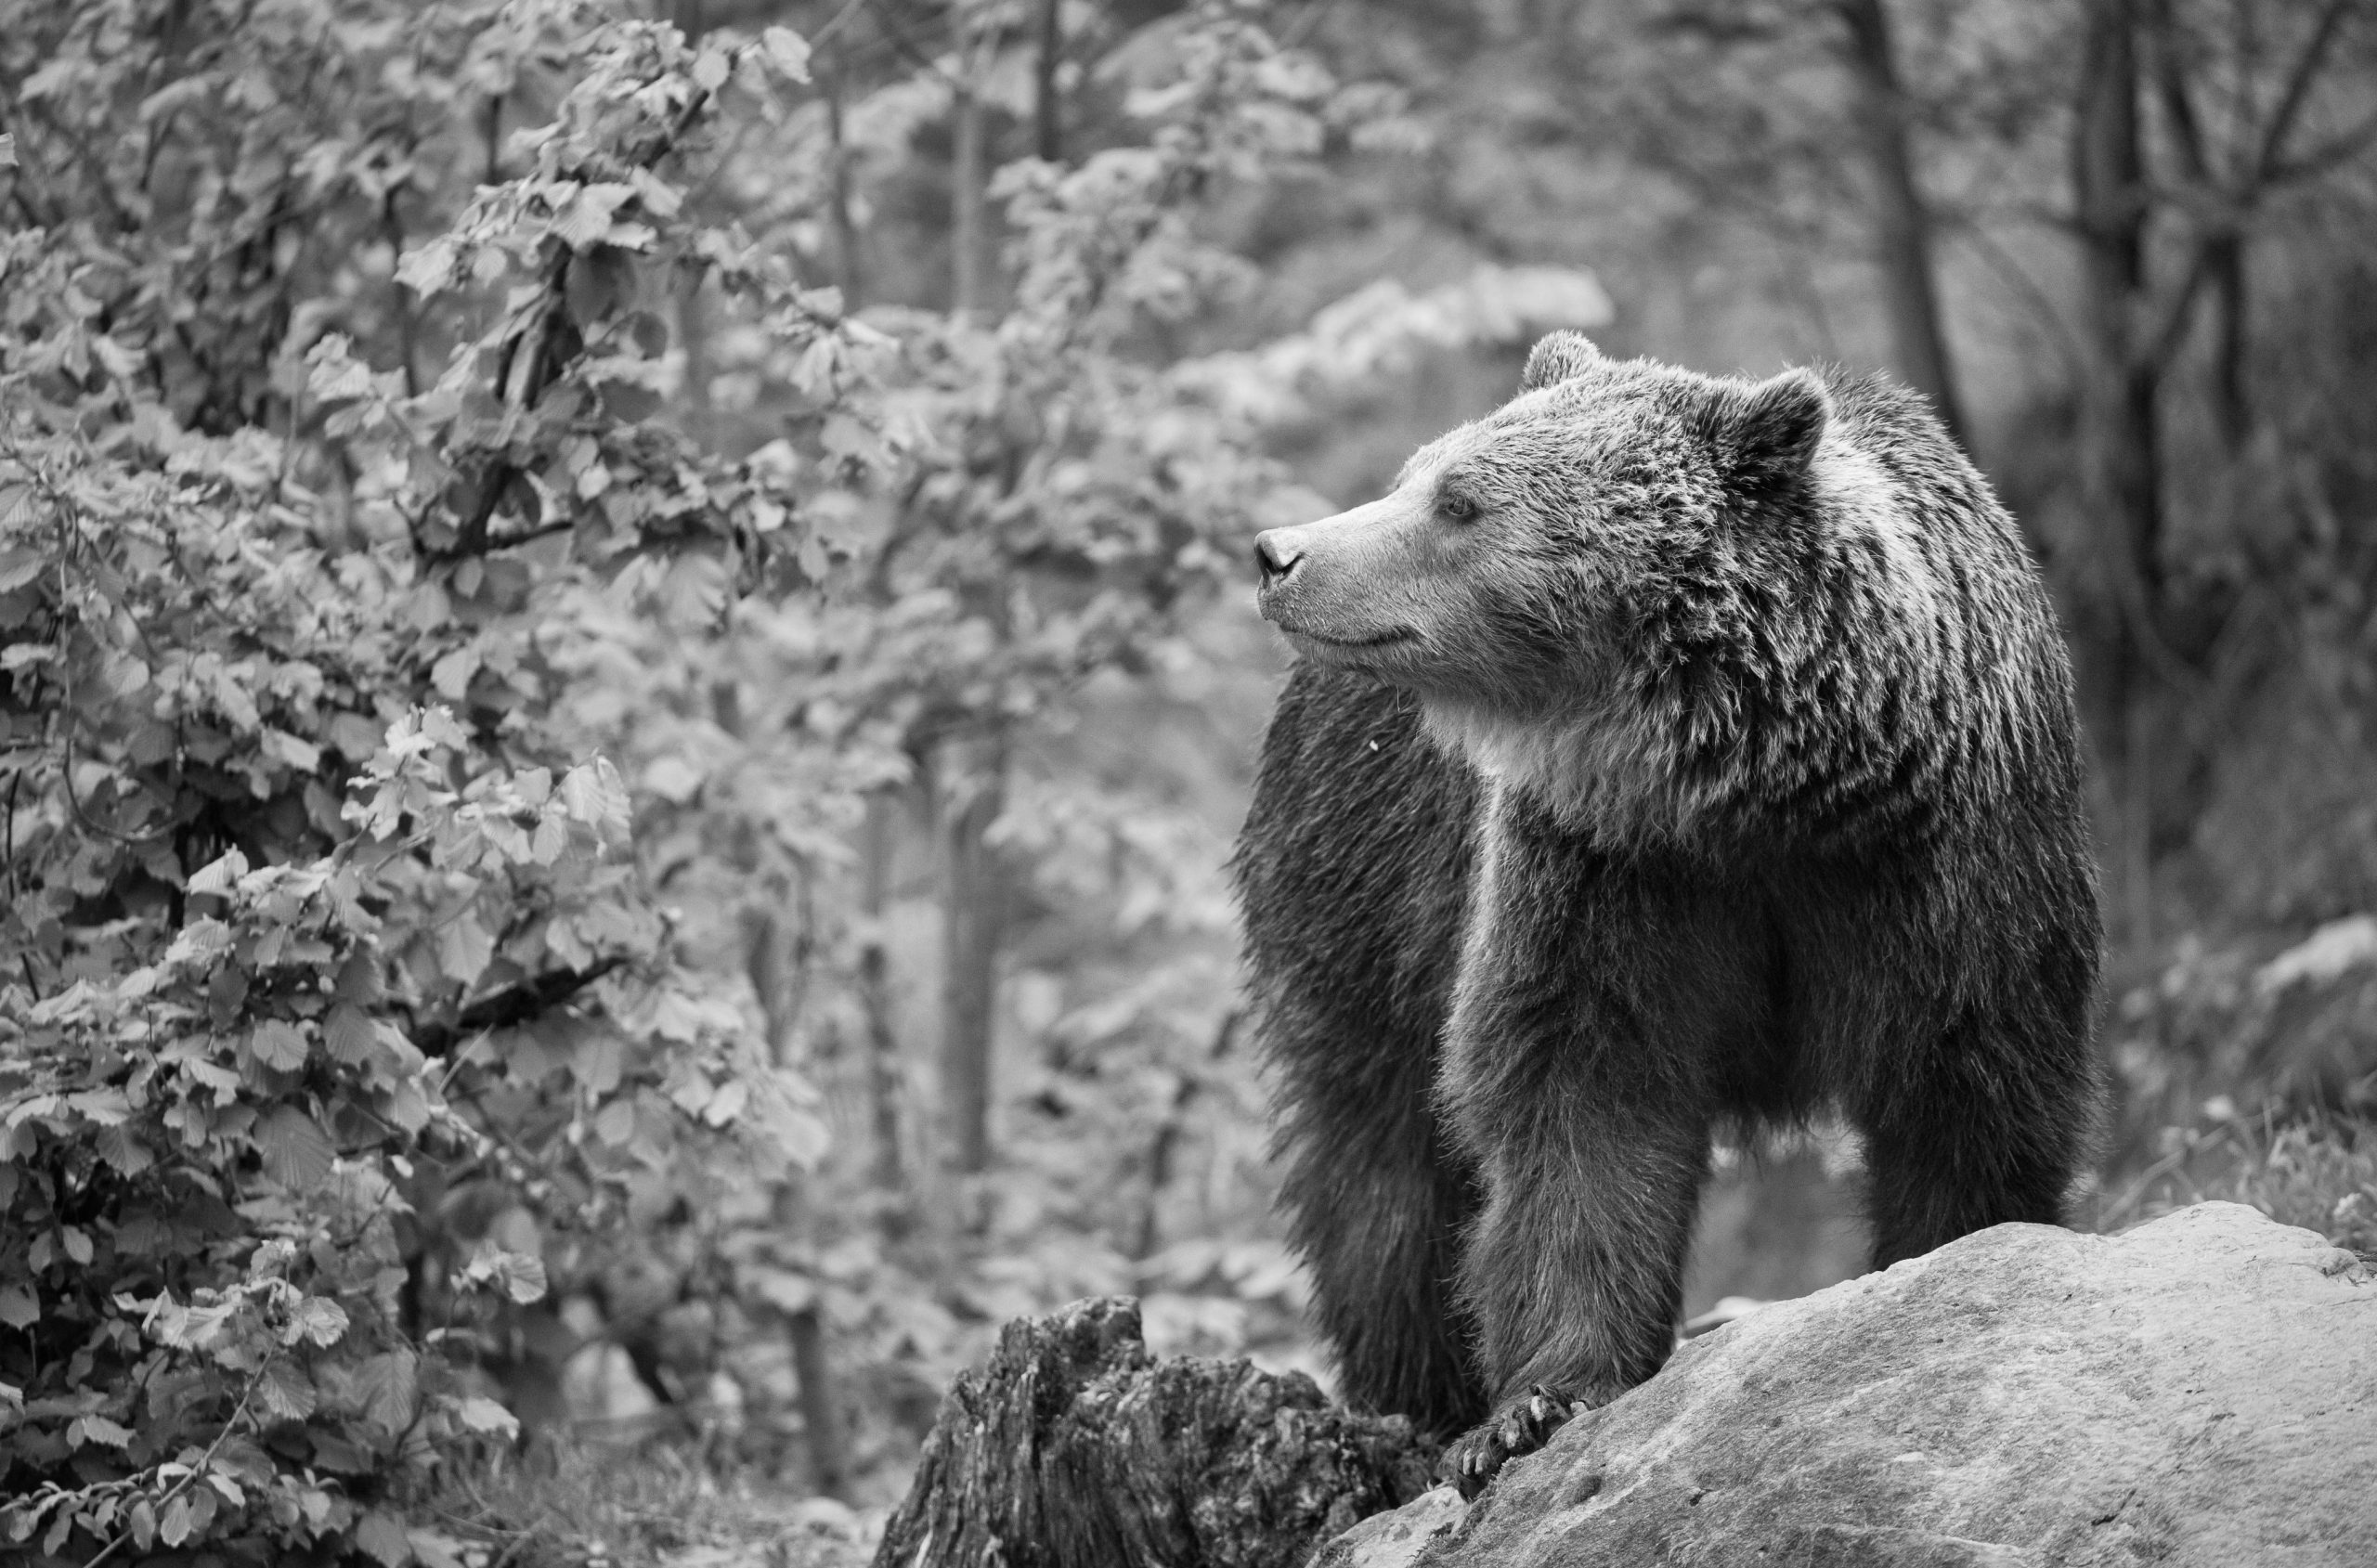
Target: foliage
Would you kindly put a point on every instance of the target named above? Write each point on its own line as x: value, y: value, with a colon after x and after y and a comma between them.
x: 2286, y: 1031
x: 382, y: 653
x: 256, y: 1019
x: 566, y: 1502
x: 2316, y: 1172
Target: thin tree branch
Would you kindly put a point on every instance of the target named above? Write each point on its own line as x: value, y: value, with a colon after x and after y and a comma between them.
x: 197, y: 1469
x: 2297, y: 91
x: 2337, y: 150
x: 513, y: 1004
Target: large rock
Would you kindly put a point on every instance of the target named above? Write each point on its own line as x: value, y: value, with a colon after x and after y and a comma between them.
x: 2202, y: 1390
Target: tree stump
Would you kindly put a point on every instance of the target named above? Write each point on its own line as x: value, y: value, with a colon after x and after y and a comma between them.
x: 1076, y: 1448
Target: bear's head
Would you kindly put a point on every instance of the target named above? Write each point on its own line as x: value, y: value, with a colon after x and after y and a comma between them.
x: 1518, y: 556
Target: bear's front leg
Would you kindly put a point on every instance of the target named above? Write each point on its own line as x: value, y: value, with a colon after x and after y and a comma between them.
x: 1595, y: 994
x: 1574, y: 1271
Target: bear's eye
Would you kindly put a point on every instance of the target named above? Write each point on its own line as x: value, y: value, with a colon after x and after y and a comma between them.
x: 1454, y: 507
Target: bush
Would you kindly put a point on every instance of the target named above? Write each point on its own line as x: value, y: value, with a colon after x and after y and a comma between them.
x: 309, y: 892
x: 405, y: 715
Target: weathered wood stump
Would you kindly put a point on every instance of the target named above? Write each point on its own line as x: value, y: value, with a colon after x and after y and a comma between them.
x: 1076, y: 1448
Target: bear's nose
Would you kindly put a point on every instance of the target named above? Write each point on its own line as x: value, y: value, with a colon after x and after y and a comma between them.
x: 1275, y: 556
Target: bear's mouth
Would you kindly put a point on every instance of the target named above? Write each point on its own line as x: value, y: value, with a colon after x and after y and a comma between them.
x: 1355, y: 644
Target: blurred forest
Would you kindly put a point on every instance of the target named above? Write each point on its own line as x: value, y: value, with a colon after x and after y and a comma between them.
x: 629, y: 662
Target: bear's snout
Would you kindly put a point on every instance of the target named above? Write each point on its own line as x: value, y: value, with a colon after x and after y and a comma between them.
x: 1276, y: 555
x: 1342, y: 587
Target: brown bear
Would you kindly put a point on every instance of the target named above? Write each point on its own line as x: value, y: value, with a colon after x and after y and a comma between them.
x: 1668, y: 758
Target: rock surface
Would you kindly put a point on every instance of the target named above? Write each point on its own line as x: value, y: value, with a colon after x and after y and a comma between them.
x: 2202, y: 1390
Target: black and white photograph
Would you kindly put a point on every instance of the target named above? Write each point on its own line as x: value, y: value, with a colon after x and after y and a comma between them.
x: 1187, y: 784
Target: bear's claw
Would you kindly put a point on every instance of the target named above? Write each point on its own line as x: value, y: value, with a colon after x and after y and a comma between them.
x: 1521, y: 1426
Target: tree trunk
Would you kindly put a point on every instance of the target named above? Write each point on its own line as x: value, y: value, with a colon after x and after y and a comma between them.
x: 848, y: 272
x: 2224, y: 243
x: 965, y: 206
x: 1047, y: 111
x: 820, y: 1414
x: 875, y: 995
x: 973, y: 916
x: 771, y: 961
x: 2121, y: 432
x: 2120, y: 415
x: 1075, y: 1448
x: 1903, y: 224
x: 2225, y: 261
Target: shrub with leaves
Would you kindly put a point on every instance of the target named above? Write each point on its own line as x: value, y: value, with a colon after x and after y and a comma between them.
x: 350, y: 568
x: 313, y: 907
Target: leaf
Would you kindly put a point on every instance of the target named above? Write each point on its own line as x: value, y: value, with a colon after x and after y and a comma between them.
x: 300, y: 754
x: 333, y: 1452
x: 122, y: 1150
x: 673, y: 779
x: 358, y: 979
x: 598, y: 1062
x: 429, y: 269
x: 19, y: 566
x: 218, y: 876
x: 107, y: 1107
x: 276, y: 1042
x: 350, y: 1034
x: 614, y: 1125
x: 581, y: 794
x: 524, y: 1277
x: 727, y: 1104
x: 711, y: 70
x: 588, y: 218
x: 297, y: 1153
x: 464, y: 949
x: 175, y: 1528
x: 98, y: 1429
x: 481, y: 1414
x: 451, y: 675
x: 122, y: 674
x: 288, y: 1392
x: 782, y: 1287
x: 391, y: 1388
x: 317, y: 1318
x: 434, y: 1549
x: 787, y: 51
x: 381, y: 1537
x: 17, y: 1307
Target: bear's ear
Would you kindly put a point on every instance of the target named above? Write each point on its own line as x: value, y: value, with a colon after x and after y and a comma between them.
x: 1764, y: 436
x: 1558, y: 357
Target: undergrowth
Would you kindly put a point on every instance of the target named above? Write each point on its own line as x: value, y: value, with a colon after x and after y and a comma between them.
x: 2316, y: 1171
x: 564, y: 1503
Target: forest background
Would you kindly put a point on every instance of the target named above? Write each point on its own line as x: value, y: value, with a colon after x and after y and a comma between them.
x: 629, y: 661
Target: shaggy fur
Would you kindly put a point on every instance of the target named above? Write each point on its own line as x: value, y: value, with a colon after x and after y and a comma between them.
x: 1669, y: 756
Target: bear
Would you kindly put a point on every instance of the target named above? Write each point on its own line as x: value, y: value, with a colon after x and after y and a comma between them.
x: 1668, y: 757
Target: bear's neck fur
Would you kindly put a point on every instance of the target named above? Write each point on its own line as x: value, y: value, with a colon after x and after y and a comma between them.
x: 1608, y: 769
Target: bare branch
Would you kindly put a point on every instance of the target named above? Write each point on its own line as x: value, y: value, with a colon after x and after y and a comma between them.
x: 2298, y: 89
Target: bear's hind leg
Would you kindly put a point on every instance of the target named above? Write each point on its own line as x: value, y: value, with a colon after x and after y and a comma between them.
x: 1980, y: 1134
